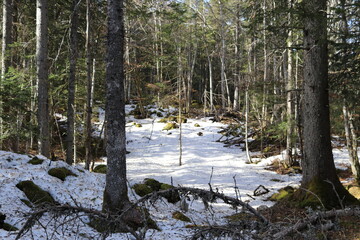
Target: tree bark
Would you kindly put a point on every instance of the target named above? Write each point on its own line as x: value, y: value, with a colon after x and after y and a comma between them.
x: 116, y: 192
x: 71, y: 87
x: 88, y: 89
x: 319, y: 174
x: 42, y: 76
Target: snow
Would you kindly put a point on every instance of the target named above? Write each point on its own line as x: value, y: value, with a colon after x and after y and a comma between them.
x: 154, y: 153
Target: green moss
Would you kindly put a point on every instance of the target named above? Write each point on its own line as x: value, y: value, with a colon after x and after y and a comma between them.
x: 36, y: 161
x: 152, y: 183
x: 27, y: 203
x: 8, y: 227
x: 35, y: 194
x: 163, y: 120
x: 139, y: 125
x: 61, y: 173
x: 100, y: 169
x: 142, y: 189
x: 196, y: 125
x: 171, y: 197
x: 170, y: 126
x: 180, y: 216
x: 321, y: 194
x: 282, y: 193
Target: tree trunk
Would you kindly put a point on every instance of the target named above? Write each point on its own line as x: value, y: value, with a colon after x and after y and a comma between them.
x: 116, y: 191
x: 42, y: 76
x: 5, y: 53
x: 351, y: 142
x: 89, y: 86
x: 319, y: 174
x: 71, y: 88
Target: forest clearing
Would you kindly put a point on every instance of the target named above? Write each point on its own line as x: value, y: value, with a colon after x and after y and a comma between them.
x: 154, y: 153
x: 180, y: 119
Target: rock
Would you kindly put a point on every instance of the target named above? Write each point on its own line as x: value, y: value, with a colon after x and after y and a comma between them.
x: 36, y: 161
x: 171, y: 197
x: 61, y: 173
x: 142, y: 189
x: 282, y: 193
x: 196, y: 125
x: 35, y: 194
x: 170, y: 126
x: 152, y: 183
x: 100, y: 169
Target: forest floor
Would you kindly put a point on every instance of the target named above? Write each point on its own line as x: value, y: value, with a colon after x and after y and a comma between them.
x: 154, y: 153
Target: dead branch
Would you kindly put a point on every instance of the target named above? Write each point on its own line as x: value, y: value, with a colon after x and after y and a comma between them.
x: 313, y: 219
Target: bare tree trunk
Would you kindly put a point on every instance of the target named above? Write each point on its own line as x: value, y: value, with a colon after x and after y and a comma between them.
x: 42, y: 76
x: 351, y: 142
x: 247, y: 125
x: 289, y: 106
x: 71, y: 88
x: 222, y: 57
x: 211, y: 89
x: 5, y: 53
x: 116, y: 191
x: 179, y: 81
x: 89, y: 86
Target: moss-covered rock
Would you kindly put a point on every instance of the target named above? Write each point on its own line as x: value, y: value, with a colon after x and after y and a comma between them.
x: 102, y: 168
x: 163, y: 120
x: 171, y: 197
x: 196, y: 125
x: 170, y: 126
x: 180, y: 216
x: 61, y: 173
x: 36, y: 161
x: 152, y: 183
x: 282, y: 193
x: 27, y: 203
x: 35, y: 194
x: 138, y: 125
x: 142, y: 189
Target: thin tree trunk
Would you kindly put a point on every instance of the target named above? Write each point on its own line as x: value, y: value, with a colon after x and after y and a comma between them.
x: 351, y: 142
x: 247, y: 125
x: 42, y: 76
x: 289, y: 106
x: 211, y: 89
x: 5, y: 54
x: 89, y: 86
x: 71, y: 88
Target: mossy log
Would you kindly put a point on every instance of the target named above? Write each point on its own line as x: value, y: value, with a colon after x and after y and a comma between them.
x: 35, y: 194
x: 61, y: 173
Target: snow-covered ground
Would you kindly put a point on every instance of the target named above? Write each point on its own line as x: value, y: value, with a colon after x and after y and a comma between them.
x: 154, y: 153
